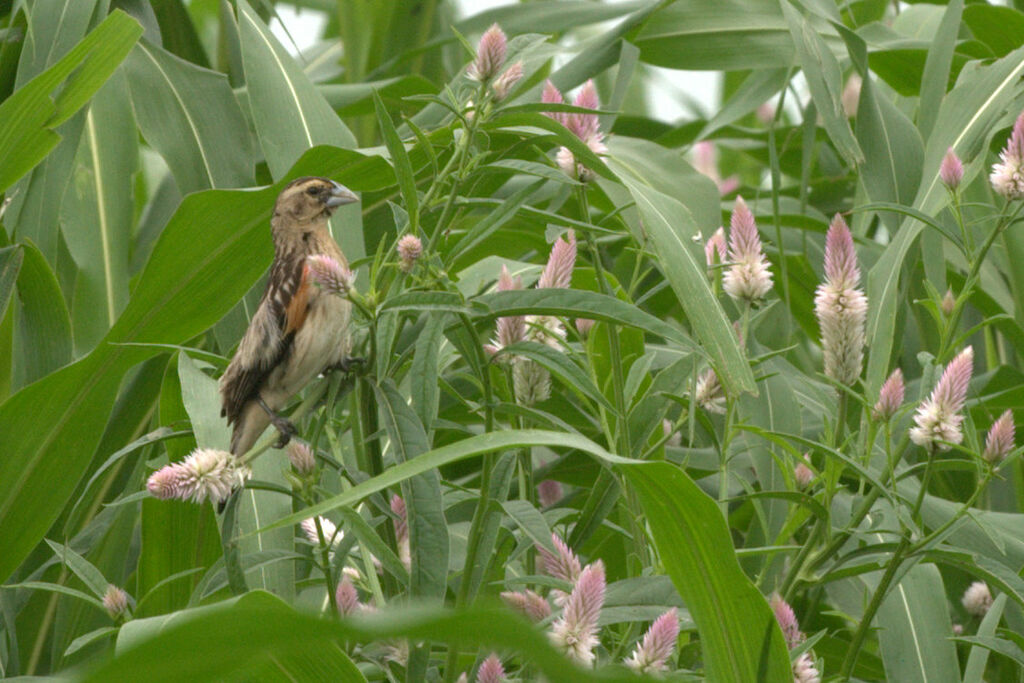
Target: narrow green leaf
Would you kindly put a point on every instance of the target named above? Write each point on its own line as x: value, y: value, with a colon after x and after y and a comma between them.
x: 10, y: 265
x: 740, y: 638
x: 824, y: 80
x: 562, y: 366
x: 667, y: 223
x: 974, y: 670
x: 531, y: 521
x: 81, y: 567
x: 915, y: 630
x: 43, y: 326
x: 423, y: 373
x: 937, y: 67
x: 400, y: 160
x: 289, y: 114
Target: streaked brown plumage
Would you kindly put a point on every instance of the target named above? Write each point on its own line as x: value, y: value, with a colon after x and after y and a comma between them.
x: 298, y: 330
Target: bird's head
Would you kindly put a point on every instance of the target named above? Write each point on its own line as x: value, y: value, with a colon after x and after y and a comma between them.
x: 311, y: 199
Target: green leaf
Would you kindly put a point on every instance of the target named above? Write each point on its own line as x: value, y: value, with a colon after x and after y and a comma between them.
x: 739, y: 636
x: 424, y: 371
x: 561, y: 365
x: 915, y: 630
x: 937, y: 66
x: 190, y: 116
x: 11, y: 259
x: 43, y: 326
x: 974, y: 670
x: 400, y: 160
x: 97, y: 214
x: 82, y: 568
x: 231, y: 639
x: 289, y: 114
x: 670, y: 226
x: 965, y: 121
x: 424, y: 501
x: 29, y: 115
x: 722, y: 35
x: 824, y: 80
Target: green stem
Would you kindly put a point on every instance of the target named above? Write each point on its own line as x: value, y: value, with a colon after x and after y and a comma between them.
x: 869, y: 614
x: 325, y: 557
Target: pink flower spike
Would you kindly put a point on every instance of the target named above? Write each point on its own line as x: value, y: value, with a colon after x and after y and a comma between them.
x: 398, y: 507
x: 715, y: 248
x: 565, y: 565
x: 805, y: 670
x: 999, y: 441
x: 575, y: 632
x: 951, y: 170
x: 347, y: 598
x: 748, y: 278
x: 977, y: 599
x: 509, y: 329
x: 659, y: 641
x: 301, y: 457
x: 1007, y: 176
x: 491, y: 671
x: 410, y: 248
x: 787, y: 621
x: 841, y: 307
x: 803, y: 474
x: 490, y: 54
x: 890, y: 398
x: 558, y: 271
x: 330, y: 275
x: 551, y: 95
x: 206, y: 473
x: 506, y: 81
x: 549, y: 492
x: 585, y: 125
x: 584, y: 325
x: 535, y: 607
x: 938, y: 417
x: 115, y: 600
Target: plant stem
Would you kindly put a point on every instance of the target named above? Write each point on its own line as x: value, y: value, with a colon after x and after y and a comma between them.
x: 325, y: 557
x: 869, y: 614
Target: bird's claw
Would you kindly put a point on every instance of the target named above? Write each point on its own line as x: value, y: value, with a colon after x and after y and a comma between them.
x: 286, y: 430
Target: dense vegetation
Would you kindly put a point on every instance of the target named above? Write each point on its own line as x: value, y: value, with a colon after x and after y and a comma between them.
x: 594, y: 434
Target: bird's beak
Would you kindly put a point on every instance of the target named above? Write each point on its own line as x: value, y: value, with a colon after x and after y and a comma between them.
x: 340, y: 195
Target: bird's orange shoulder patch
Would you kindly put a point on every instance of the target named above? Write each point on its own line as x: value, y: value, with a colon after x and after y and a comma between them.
x: 298, y: 307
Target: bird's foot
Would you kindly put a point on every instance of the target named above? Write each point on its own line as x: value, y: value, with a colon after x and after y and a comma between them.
x: 284, y: 427
x: 348, y: 364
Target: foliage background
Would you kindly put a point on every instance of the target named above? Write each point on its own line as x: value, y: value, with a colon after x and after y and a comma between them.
x: 131, y: 134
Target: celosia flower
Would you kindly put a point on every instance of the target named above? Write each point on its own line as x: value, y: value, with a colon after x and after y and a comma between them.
x: 506, y: 81
x: 115, y: 600
x: 347, y: 598
x: 948, y: 303
x: 951, y: 170
x: 999, y: 441
x: 890, y: 398
x: 705, y: 160
x: 841, y: 307
x: 803, y: 474
x: 330, y: 275
x: 584, y: 126
x: 575, y: 632
x: 558, y: 270
x: 508, y: 329
x: 584, y: 325
x: 748, y: 277
x: 669, y: 429
x: 534, y: 606
x: 659, y: 641
x: 491, y: 671
x: 1007, y: 176
x: 332, y: 536
x: 938, y: 418
x: 301, y: 457
x: 805, y: 671
x: 549, y: 492
x: 715, y: 248
x: 787, y: 621
x: 401, y: 530
x: 205, y: 473
x: 977, y: 599
x: 490, y: 54
x: 708, y: 393
x: 565, y: 565
x: 851, y: 94
x: 410, y: 248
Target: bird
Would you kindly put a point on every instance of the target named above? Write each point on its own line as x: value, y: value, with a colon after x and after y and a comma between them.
x: 298, y: 330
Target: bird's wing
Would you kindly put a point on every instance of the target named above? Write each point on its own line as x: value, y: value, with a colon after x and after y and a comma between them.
x: 267, y: 342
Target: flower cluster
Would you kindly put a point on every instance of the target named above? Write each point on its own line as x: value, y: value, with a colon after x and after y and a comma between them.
x: 410, y: 248
x: 584, y: 126
x: 204, y: 474
x: 575, y: 632
x: 890, y: 398
x: 841, y: 307
x: 1007, y: 176
x: 115, y: 601
x: 999, y: 441
x: 705, y: 160
x: 938, y: 418
x: 490, y: 57
x: 531, y: 381
x: 805, y: 670
x: 330, y: 275
x: 653, y: 651
x: 977, y: 599
x: 748, y: 278
x: 401, y: 525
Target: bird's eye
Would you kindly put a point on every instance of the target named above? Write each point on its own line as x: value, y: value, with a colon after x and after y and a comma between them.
x: 313, y: 191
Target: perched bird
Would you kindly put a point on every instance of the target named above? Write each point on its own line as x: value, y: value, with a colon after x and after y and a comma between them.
x: 298, y: 330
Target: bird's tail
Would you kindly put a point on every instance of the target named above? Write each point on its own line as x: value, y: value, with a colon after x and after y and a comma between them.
x: 248, y: 428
